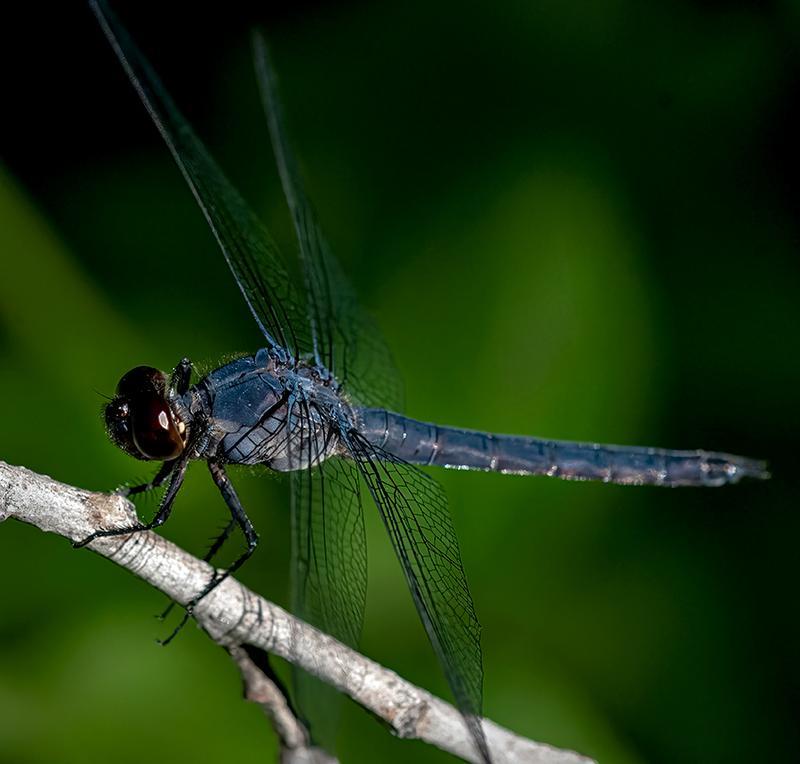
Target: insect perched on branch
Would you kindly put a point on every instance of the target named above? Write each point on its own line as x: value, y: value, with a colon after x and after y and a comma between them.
x: 321, y: 401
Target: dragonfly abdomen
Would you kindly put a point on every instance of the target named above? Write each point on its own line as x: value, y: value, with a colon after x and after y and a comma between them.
x: 431, y: 444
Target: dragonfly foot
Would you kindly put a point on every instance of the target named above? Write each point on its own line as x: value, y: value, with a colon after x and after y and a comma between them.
x: 83, y: 542
x: 216, y: 579
x: 103, y: 533
x: 177, y: 629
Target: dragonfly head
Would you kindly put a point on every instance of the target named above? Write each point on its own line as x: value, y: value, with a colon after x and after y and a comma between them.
x: 140, y: 419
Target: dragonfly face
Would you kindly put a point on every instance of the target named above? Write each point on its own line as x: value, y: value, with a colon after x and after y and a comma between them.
x: 141, y: 420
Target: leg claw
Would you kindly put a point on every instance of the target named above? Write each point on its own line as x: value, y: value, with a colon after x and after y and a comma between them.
x: 83, y: 542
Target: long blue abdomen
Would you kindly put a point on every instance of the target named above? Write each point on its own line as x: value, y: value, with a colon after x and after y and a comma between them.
x: 431, y: 444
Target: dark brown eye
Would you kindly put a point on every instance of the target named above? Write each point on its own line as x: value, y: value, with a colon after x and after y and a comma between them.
x: 154, y: 432
x: 139, y: 419
x: 142, y: 380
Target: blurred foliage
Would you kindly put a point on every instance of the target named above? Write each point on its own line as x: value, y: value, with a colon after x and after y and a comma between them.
x: 576, y: 220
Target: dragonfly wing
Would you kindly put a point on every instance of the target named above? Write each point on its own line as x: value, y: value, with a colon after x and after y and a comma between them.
x: 248, y: 247
x: 414, y: 510
x: 346, y: 339
x: 329, y: 567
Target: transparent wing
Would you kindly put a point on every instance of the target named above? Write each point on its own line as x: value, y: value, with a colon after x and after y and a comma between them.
x: 329, y: 559
x: 329, y: 549
x: 248, y: 248
x: 346, y: 340
x: 414, y: 510
x: 328, y: 576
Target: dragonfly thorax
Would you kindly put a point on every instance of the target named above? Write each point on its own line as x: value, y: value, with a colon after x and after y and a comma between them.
x: 259, y: 410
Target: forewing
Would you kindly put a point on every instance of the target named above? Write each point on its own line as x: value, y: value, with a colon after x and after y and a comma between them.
x: 248, y: 248
x: 346, y: 339
x: 414, y: 510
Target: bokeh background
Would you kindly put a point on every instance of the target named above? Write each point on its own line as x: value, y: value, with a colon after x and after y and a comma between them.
x: 572, y: 219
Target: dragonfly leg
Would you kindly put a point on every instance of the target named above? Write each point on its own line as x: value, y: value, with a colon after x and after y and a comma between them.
x: 238, y: 517
x: 164, y: 471
x: 177, y: 471
x: 209, y: 555
x: 181, y: 376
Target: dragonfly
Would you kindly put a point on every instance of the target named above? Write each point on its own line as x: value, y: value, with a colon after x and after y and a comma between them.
x: 322, y: 402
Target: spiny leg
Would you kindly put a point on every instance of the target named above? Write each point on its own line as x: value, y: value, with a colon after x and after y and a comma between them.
x: 178, y: 472
x: 164, y: 471
x: 240, y: 518
x: 209, y: 555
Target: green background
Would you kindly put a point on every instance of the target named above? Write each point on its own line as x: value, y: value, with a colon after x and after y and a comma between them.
x: 575, y: 220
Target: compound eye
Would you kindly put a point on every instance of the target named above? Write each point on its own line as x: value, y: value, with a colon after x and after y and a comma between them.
x: 142, y: 380
x: 154, y: 432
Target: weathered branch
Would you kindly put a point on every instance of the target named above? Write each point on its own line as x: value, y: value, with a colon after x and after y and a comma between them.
x: 234, y: 616
x: 296, y: 747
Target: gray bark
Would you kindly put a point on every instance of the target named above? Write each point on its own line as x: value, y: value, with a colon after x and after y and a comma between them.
x: 233, y: 616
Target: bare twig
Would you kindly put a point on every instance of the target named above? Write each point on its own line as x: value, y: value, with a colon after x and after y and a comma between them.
x: 259, y: 688
x: 233, y: 616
